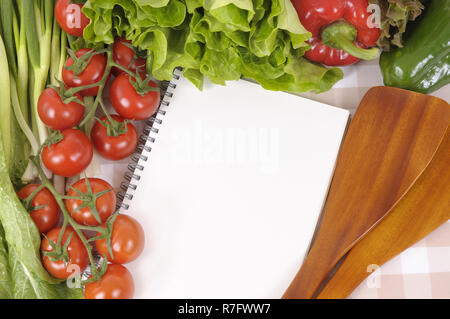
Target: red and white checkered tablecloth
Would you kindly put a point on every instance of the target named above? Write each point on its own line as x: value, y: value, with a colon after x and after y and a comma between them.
x: 423, y: 270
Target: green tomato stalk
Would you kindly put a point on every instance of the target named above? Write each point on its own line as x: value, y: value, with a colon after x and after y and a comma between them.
x: 58, y: 55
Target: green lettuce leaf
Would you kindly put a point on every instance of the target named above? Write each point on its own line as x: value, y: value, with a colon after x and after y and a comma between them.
x: 233, y: 13
x: 5, y: 277
x: 153, y: 3
x: 21, y: 270
x: 20, y: 150
x: 20, y: 231
x: 298, y: 75
x: 26, y: 285
x: 288, y: 20
x: 171, y: 15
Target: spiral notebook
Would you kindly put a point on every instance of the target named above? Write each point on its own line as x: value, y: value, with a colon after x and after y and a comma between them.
x: 229, y: 185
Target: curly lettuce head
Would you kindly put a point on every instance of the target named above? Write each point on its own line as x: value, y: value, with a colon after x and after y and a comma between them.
x: 395, y: 15
x: 220, y: 39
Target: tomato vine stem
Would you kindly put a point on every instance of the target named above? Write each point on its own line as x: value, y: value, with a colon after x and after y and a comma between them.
x: 101, y: 85
x: 78, y: 228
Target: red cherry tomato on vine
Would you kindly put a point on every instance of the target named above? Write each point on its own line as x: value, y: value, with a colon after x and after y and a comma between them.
x: 114, y: 147
x: 130, y: 104
x: 124, y: 55
x: 47, y: 216
x: 77, y: 253
x: 57, y: 115
x: 70, y: 17
x: 92, y: 73
x: 116, y: 283
x: 105, y: 204
x: 127, y: 240
x: 70, y: 156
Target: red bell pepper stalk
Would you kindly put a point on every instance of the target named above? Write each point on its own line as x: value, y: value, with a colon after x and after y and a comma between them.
x: 340, y: 30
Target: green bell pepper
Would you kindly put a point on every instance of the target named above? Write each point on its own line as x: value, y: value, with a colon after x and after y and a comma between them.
x: 423, y: 64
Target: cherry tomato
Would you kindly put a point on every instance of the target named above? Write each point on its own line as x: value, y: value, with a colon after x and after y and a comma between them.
x: 92, y: 73
x: 76, y: 251
x: 57, y: 115
x: 114, y: 147
x: 70, y: 17
x: 130, y: 104
x: 105, y: 204
x: 116, y: 283
x: 70, y: 156
x: 47, y: 216
x: 127, y: 240
x: 123, y: 55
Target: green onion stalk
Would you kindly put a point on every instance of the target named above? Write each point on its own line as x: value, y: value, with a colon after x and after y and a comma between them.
x: 5, y: 105
x: 13, y: 138
x: 39, y: 27
x: 31, y: 39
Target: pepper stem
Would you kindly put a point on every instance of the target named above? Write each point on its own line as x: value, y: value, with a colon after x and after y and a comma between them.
x: 342, y: 35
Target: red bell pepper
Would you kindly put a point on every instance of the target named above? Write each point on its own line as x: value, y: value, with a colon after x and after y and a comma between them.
x: 340, y: 31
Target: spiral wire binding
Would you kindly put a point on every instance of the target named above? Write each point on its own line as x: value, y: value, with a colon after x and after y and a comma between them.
x: 143, y: 149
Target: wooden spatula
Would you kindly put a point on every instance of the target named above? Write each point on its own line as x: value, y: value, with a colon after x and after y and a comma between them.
x: 391, y: 140
x: 424, y: 208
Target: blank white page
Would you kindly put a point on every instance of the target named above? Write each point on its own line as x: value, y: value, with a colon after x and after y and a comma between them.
x: 230, y: 195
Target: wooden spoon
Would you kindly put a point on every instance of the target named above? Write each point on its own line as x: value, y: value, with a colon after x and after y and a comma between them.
x: 423, y: 209
x: 391, y: 140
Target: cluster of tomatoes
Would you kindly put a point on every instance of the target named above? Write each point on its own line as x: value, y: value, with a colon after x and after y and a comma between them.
x: 90, y: 202
x: 113, y: 136
x: 127, y: 237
